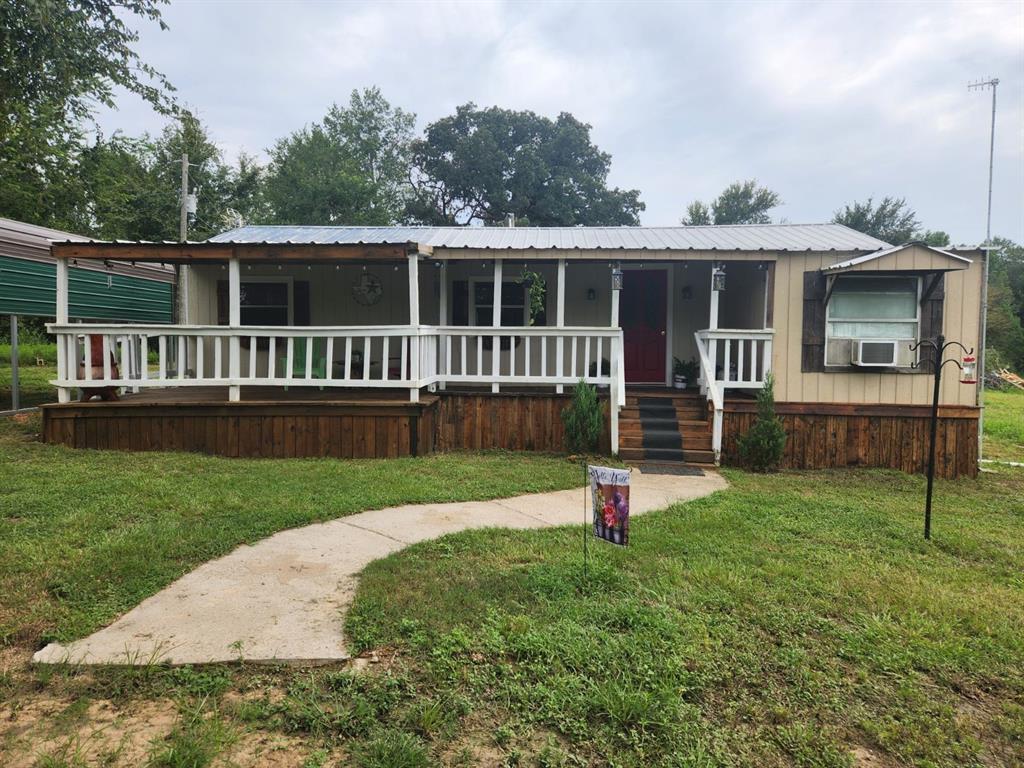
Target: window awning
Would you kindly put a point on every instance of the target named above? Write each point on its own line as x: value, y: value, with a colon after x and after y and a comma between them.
x: 911, y: 258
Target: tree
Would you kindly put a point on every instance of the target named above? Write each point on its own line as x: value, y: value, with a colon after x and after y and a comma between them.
x: 936, y: 238
x: 58, y: 60
x: 1005, y: 331
x: 891, y: 220
x: 764, y: 444
x: 131, y: 186
x: 482, y: 165
x: 742, y: 202
x: 351, y: 169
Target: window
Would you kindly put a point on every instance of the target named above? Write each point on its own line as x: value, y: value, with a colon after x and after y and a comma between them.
x: 513, y: 306
x: 266, y: 302
x: 868, y: 308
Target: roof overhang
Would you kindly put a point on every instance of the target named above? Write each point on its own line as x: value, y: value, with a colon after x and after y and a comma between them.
x: 208, y: 252
x: 949, y: 261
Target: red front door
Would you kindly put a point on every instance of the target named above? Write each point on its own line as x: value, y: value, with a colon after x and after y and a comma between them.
x: 642, y: 316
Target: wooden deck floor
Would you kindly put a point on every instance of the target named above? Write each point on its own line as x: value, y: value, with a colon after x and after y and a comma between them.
x: 258, y: 395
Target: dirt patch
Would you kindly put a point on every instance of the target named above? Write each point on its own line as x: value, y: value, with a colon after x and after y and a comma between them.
x: 263, y: 750
x: 93, y: 732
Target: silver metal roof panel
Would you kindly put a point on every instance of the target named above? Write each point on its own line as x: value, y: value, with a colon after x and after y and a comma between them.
x: 747, y: 237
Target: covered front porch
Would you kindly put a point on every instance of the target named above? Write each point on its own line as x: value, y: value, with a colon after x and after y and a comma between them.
x: 405, y: 320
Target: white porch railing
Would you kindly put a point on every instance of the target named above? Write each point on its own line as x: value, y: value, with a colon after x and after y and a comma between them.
x: 396, y: 357
x: 737, y: 359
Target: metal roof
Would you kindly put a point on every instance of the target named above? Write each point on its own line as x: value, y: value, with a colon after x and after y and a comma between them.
x: 746, y: 237
x: 844, y: 265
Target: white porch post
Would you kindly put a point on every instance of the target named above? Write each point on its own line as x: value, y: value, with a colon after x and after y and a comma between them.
x: 560, y: 323
x: 613, y: 388
x: 713, y: 314
x: 414, y: 323
x: 713, y: 325
x: 234, y: 322
x: 496, y: 316
x: 64, y: 361
x: 442, y: 320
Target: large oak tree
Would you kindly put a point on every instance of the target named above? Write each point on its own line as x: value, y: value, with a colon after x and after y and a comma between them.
x: 483, y: 165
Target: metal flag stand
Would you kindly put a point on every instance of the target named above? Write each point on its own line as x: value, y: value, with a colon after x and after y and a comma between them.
x: 586, y: 522
x: 939, y: 345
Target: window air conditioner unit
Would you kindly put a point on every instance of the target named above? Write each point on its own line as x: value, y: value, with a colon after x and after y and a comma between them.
x: 874, y: 353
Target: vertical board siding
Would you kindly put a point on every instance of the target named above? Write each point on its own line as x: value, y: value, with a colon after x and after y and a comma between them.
x: 256, y: 432
x: 504, y: 421
x: 818, y: 439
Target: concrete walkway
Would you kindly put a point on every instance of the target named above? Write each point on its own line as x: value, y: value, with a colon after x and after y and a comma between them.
x: 284, y: 598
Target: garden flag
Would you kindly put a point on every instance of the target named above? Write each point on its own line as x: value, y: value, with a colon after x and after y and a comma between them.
x: 609, y: 489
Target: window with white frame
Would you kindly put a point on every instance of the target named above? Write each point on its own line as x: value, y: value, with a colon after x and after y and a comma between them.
x: 481, y: 303
x: 879, y: 310
x: 266, y: 302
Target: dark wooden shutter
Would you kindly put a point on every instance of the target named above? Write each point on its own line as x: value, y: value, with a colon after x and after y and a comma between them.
x: 460, y: 302
x: 931, y: 317
x: 300, y: 294
x: 812, y: 357
x: 222, y: 302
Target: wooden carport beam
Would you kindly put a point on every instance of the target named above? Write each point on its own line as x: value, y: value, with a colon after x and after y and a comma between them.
x: 170, y: 253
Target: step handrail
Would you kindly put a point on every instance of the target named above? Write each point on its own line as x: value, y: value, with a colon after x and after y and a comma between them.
x: 709, y: 386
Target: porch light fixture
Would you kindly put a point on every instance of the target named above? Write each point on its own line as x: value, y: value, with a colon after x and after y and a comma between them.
x: 616, y: 279
x: 591, y: 294
x: 718, y: 278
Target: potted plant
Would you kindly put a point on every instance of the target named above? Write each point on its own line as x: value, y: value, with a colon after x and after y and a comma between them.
x: 683, y: 372
x: 678, y: 373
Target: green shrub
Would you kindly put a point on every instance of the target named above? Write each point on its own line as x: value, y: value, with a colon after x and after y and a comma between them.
x: 583, y: 420
x: 761, y: 448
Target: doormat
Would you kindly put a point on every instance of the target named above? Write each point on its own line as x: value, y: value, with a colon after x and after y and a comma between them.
x: 671, y: 469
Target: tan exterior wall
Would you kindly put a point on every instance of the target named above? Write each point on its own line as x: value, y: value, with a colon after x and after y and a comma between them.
x: 960, y: 322
x: 740, y: 306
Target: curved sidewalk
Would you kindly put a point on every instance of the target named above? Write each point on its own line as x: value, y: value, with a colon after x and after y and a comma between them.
x: 283, y: 599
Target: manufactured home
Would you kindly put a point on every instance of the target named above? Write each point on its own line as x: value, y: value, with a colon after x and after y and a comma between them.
x: 354, y: 342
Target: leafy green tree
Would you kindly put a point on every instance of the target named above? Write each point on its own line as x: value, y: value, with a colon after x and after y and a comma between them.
x: 132, y: 186
x: 482, y: 165
x: 351, y: 169
x: 936, y: 238
x: 1005, y: 331
x: 891, y: 220
x: 742, y: 202
x: 59, y: 59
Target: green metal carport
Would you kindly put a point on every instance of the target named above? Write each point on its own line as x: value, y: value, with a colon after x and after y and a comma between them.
x: 110, y: 291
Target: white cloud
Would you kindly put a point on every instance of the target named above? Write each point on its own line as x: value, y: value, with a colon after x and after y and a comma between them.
x: 824, y: 102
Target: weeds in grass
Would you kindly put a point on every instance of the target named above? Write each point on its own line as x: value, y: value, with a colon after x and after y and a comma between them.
x: 393, y: 749
x: 194, y: 742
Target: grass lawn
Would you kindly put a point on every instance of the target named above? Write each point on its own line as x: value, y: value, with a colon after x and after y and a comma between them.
x: 85, y: 535
x: 1004, y: 425
x: 35, y: 384
x: 795, y: 619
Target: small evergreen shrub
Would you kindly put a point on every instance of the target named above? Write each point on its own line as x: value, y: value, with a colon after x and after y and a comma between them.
x: 761, y: 448
x: 583, y: 420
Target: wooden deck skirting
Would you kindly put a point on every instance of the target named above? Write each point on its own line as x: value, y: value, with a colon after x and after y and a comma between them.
x: 513, y: 422
x: 830, y: 435
x: 248, y: 429
x: 307, y: 423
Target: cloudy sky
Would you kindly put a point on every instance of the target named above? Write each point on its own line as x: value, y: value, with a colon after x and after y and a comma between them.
x: 825, y: 102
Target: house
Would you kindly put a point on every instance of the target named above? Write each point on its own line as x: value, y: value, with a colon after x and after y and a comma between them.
x: 110, y: 291
x: 349, y: 341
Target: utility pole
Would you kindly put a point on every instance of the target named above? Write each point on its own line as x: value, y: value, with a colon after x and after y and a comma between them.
x: 182, y: 276
x: 993, y: 83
